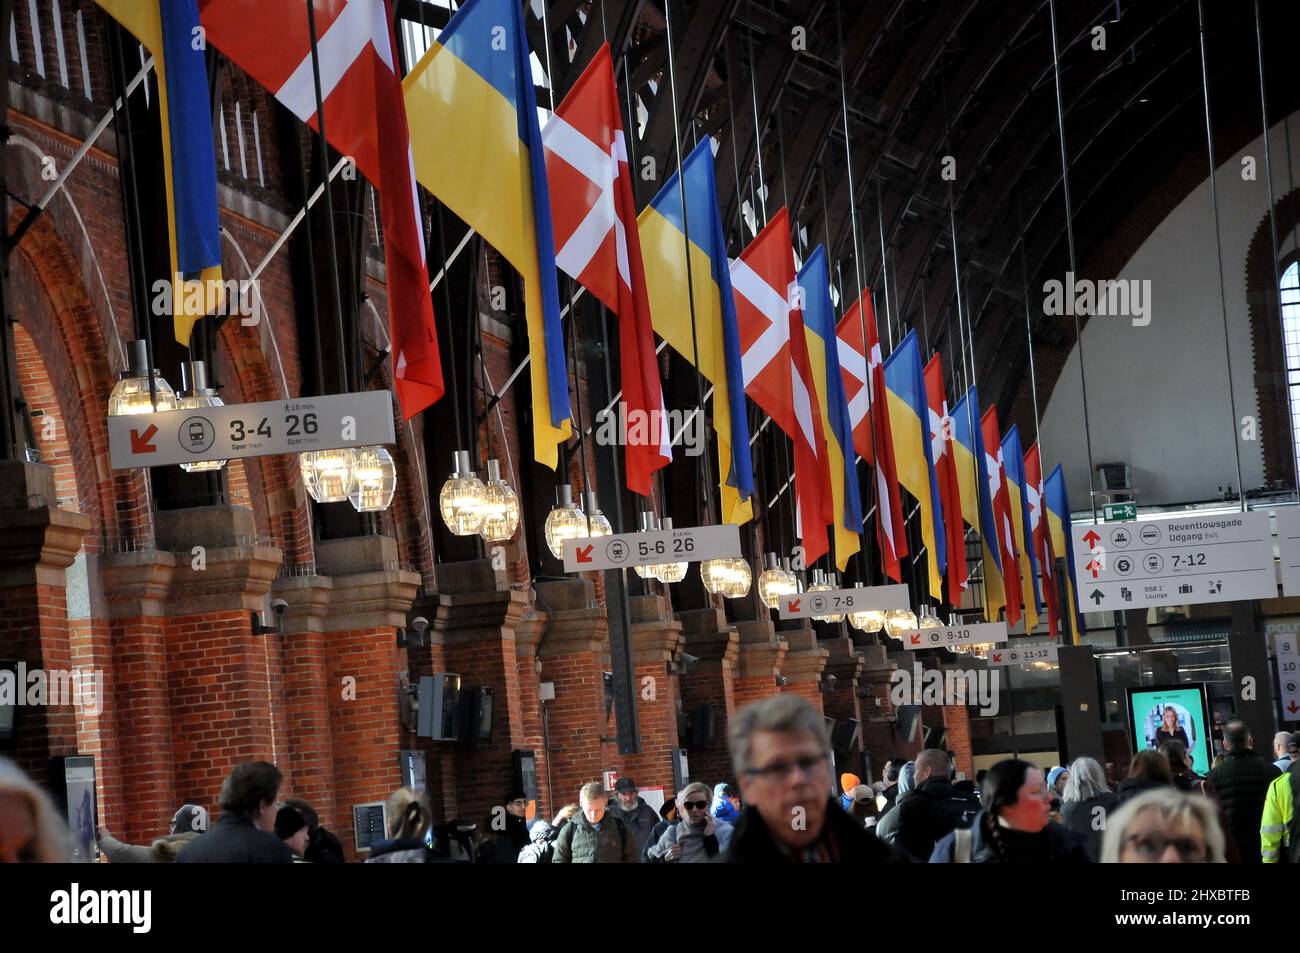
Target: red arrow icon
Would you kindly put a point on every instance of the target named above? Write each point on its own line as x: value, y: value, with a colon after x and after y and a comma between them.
x: 1292, y: 708
x: 1091, y: 538
x: 143, y: 442
x: 997, y: 657
x: 794, y: 605
x: 916, y: 638
x: 583, y: 553
x: 1092, y: 567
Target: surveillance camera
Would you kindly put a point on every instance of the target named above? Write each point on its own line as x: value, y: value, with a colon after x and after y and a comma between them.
x: 419, y: 623
x: 279, y: 606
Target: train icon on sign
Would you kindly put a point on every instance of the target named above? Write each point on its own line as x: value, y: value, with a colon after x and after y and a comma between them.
x: 818, y: 603
x: 617, y: 551
x: 196, y: 435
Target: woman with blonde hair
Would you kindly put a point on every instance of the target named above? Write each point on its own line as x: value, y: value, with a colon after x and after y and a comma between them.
x: 31, y: 831
x: 408, y: 819
x: 1164, y: 826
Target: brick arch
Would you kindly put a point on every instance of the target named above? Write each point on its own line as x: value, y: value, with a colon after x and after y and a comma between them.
x: 413, y: 532
x: 65, y: 328
x: 48, y: 426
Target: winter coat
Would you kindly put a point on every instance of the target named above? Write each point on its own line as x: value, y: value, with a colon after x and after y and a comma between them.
x: 842, y: 838
x: 542, y: 848
x: 324, y: 848
x: 411, y: 850
x: 1130, y: 788
x: 699, y: 844
x: 1279, y: 829
x: 658, y: 832
x: 724, y: 811
x: 163, y: 850
x: 924, y: 816
x: 1242, y: 781
x: 1082, y: 818
x: 641, y: 820
x: 580, y: 843
x: 234, y: 839
x: 1054, y: 844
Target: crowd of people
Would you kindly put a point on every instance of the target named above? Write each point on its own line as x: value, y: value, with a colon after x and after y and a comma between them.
x: 779, y: 810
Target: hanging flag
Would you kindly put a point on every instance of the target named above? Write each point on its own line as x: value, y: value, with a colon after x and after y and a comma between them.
x: 778, y: 377
x: 1059, y: 526
x: 857, y: 370
x: 364, y: 119
x: 166, y: 29
x: 823, y: 354
x: 909, y: 422
x: 597, y: 244
x: 663, y: 231
x: 478, y: 149
x: 976, y: 504
x: 1008, y: 556
x: 1042, y: 539
x: 1014, y: 469
x: 945, y: 470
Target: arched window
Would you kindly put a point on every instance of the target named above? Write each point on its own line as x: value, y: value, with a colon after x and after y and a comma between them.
x: 1291, y: 331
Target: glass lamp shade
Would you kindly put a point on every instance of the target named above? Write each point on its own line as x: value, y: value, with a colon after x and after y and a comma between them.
x: 717, y: 576
x: 928, y: 620
x: 327, y: 474
x: 374, y: 479
x: 821, y: 585
x: 672, y: 572
x: 565, y: 521
x: 900, y: 620
x: 740, y: 579
x: 193, y: 402
x: 775, y: 582
x: 500, y: 507
x: 869, y: 620
x: 461, y: 499
x: 131, y: 396
x: 598, y: 522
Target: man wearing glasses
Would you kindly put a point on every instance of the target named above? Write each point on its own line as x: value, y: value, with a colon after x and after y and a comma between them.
x: 781, y: 755
x: 698, y: 837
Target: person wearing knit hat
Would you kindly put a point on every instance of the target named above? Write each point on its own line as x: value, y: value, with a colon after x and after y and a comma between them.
x: 848, y: 782
x: 291, y: 827
x: 1056, y: 779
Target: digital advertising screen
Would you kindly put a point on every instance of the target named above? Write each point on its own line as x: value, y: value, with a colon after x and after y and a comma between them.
x: 1172, y: 713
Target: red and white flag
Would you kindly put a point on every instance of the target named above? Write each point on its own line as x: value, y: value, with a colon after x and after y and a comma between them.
x: 1008, y: 553
x: 597, y: 244
x: 863, y: 380
x: 365, y: 118
x: 778, y: 373
x: 1042, y: 539
x: 945, y: 470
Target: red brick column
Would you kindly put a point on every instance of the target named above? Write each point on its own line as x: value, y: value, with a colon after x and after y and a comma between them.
x: 880, y: 736
x: 956, y: 719
x: 803, y: 666
x: 762, y: 653
x: 841, y: 702
x: 709, y: 681
x: 655, y: 638
x: 572, y: 652
x: 528, y: 634
x: 36, y: 547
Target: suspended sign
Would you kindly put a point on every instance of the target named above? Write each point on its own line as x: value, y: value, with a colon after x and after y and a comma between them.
x: 805, y: 605
x: 1023, y: 655
x: 233, y: 431
x: 1288, y: 673
x: 950, y: 635
x: 1288, y: 548
x: 625, y: 550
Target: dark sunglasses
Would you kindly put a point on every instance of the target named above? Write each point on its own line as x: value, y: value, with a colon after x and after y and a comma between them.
x: 696, y: 805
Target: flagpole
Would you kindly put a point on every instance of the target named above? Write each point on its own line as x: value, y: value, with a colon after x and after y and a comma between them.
x: 884, y: 265
x: 753, y: 99
x: 1029, y: 327
x: 686, y: 238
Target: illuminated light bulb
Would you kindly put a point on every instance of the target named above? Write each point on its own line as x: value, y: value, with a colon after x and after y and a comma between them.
x: 374, y: 479
x: 727, y: 576
x: 900, y: 620
x: 650, y: 571
x: 597, y: 522
x: 500, y: 507
x: 327, y: 474
x: 565, y: 521
x: 928, y: 619
x: 131, y: 392
x: 200, y: 395
x: 462, y: 497
x: 672, y: 572
x: 775, y: 582
x: 821, y: 584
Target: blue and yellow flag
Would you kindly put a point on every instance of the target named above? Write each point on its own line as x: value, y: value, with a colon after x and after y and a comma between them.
x: 662, y: 229
x: 909, y: 421
x: 976, y: 505
x: 824, y: 360
x: 1059, y: 525
x: 477, y: 147
x: 166, y: 28
x: 1014, y: 466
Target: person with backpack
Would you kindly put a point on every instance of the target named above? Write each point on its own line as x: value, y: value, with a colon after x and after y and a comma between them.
x: 541, y: 849
x: 1279, y: 828
x: 699, y: 836
x: 594, y: 836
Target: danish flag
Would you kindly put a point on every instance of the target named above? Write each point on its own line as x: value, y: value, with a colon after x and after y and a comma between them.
x: 365, y: 119
x: 945, y: 471
x: 1042, y: 539
x: 778, y: 373
x: 596, y: 242
x: 1001, y: 500
x: 863, y: 380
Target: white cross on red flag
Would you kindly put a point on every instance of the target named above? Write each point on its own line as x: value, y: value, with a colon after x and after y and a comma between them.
x: 365, y: 118
x: 597, y: 244
x: 778, y: 373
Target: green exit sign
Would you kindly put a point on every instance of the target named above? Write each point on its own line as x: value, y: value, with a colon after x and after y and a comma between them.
x: 1116, y: 512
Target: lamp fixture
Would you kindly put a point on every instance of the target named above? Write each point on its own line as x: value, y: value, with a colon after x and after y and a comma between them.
x: 374, y: 479
x: 327, y: 474
x: 821, y: 583
x: 500, y: 507
x: 131, y: 392
x: 868, y: 620
x: 565, y: 521
x: 199, y: 395
x: 648, y: 525
x: 900, y: 620
x: 461, y: 498
x: 775, y: 582
x: 597, y: 522
x: 928, y: 619
x: 672, y: 572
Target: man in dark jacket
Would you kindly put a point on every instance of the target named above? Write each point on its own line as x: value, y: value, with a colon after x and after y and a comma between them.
x: 1241, y: 782
x: 890, y: 792
x: 928, y: 812
x: 781, y: 754
x: 242, y: 835
x: 637, y: 816
x: 593, y: 836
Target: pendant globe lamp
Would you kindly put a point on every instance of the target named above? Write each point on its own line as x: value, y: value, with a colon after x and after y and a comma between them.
x: 672, y: 572
x: 500, y: 507
x: 374, y: 479
x: 867, y: 620
x: 565, y: 521
x: 461, y: 498
x: 199, y: 395
x: 131, y: 394
x: 597, y: 522
x: 648, y: 525
x: 775, y: 582
x: 327, y: 474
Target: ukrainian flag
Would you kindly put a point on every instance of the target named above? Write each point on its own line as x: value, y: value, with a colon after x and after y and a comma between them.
x: 1013, y: 464
x: 1057, y: 507
x: 824, y: 359
x: 662, y: 229
x: 909, y: 422
x: 166, y: 29
x: 976, y: 507
x: 477, y: 147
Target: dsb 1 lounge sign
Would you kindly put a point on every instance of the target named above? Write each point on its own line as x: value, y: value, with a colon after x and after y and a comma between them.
x: 233, y: 431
